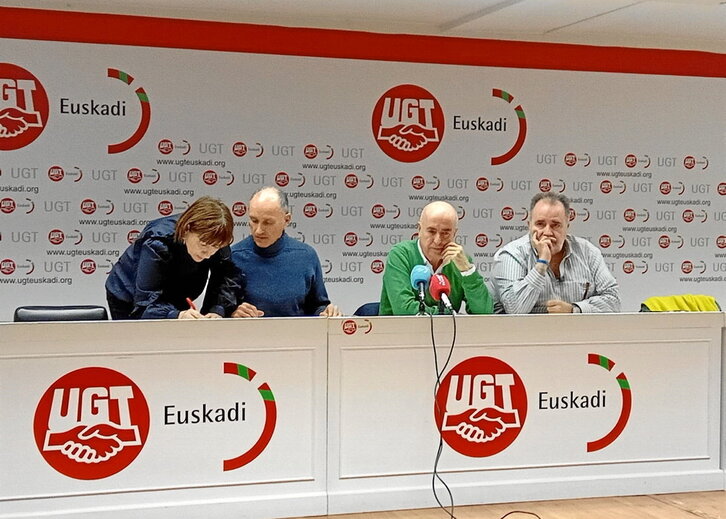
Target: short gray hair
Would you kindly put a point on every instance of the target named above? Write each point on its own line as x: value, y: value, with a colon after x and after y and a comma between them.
x: 551, y: 198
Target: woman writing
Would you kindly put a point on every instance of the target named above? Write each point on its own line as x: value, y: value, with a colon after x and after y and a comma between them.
x: 167, y: 267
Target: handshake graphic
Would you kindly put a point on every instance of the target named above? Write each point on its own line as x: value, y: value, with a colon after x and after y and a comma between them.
x: 408, y: 137
x: 92, y: 443
x: 480, y: 425
x: 14, y: 121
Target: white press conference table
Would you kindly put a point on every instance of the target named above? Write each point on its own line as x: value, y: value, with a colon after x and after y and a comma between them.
x: 272, y: 418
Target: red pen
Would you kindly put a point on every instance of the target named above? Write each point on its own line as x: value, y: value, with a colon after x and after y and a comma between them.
x: 191, y: 304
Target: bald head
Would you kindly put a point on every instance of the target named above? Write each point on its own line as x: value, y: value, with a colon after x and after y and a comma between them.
x: 271, y: 194
x: 436, y: 229
x: 439, y: 210
x: 269, y: 214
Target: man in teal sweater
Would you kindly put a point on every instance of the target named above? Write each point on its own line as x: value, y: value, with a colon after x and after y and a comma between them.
x: 436, y: 248
x: 282, y: 276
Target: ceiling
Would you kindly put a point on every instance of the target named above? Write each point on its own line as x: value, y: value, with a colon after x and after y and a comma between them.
x: 668, y: 24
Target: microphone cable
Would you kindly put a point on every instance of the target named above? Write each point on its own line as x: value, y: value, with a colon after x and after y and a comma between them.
x: 439, y: 372
x: 520, y: 512
x: 435, y: 474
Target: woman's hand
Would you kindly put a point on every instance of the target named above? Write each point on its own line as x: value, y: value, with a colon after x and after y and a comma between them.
x: 190, y: 314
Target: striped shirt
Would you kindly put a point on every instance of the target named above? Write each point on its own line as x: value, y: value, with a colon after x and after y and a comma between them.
x: 584, y: 279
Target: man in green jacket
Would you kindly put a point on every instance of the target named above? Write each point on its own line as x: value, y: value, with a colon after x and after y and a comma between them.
x: 435, y: 248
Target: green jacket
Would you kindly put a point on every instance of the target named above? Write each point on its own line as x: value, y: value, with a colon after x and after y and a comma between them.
x: 398, y: 297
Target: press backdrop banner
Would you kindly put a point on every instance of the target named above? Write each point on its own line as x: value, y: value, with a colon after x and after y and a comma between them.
x: 97, y: 139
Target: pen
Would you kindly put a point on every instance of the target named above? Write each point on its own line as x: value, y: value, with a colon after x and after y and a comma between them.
x: 191, y: 304
x: 587, y: 287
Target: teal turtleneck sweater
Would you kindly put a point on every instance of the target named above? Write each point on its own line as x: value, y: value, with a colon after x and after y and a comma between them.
x: 282, y: 280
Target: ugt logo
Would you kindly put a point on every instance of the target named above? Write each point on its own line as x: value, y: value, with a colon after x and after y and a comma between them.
x: 23, y: 107
x: 408, y: 123
x: 91, y: 423
x: 480, y: 407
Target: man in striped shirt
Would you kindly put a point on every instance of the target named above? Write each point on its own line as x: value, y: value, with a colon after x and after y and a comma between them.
x: 550, y: 271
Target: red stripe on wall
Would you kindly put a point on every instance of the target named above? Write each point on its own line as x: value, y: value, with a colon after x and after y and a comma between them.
x: 36, y: 24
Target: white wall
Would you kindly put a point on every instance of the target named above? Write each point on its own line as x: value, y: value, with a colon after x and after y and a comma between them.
x: 205, y: 101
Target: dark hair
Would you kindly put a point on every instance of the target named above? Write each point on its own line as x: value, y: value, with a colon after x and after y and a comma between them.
x: 210, y: 219
x: 281, y: 195
x: 551, y: 198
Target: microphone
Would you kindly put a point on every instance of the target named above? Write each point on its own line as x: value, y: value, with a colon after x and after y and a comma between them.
x: 420, y: 276
x: 440, y: 288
